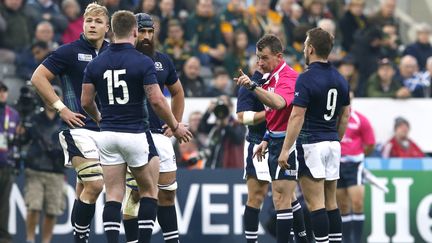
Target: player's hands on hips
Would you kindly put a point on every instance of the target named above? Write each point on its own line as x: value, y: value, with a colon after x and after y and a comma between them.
x: 182, y: 134
x: 71, y: 118
x: 283, y: 160
x: 168, y: 132
x: 261, y: 150
x: 243, y: 79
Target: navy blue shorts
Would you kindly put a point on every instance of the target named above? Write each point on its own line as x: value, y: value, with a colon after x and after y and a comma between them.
x: 252, y: 167
x: 351, y: 174
x: 276, y: 172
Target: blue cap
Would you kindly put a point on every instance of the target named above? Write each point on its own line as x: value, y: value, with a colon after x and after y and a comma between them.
x: 144, y: 20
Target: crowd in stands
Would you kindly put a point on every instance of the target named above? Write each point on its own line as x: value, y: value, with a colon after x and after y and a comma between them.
x: 210, y: 40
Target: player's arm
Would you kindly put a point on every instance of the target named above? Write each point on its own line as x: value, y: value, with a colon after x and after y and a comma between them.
x: 251, y: 117
x: 88, y: 102
x: 269, y: 99
x: 162, y: 109
x: 177, y: 100
x: 41, y: 80
x: 342, y: 121
x: 295, y: 124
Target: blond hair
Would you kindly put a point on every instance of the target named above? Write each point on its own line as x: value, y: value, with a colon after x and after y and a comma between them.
x: 96, y: 9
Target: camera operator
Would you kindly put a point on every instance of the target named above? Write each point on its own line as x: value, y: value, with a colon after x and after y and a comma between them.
x: 44, y: 172
x: 226, y: 135
x: 9, y: 120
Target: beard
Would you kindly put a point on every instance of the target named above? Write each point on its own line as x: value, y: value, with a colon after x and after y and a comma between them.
x: 146, y: 47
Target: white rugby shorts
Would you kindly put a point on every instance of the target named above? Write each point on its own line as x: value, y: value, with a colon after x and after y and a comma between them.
x: 166, y: 153
x: 320, y: 160
x: 120, y: 147
x: 78, y: 142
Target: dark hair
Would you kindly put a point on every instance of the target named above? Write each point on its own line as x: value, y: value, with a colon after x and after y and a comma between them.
x: 321, y: 41
x: 270, y: 41
x: 122, y: 23
x: 40, y: 44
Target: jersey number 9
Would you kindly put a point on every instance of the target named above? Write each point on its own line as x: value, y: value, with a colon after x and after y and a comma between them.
x: 112, y: 76
x: 331, y: 103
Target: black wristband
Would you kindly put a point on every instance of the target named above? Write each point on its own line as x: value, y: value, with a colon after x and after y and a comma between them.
x: 252, y: 86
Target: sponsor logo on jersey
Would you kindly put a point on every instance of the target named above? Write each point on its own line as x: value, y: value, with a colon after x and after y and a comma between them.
x: 84, y: 57
x: 158, y: 66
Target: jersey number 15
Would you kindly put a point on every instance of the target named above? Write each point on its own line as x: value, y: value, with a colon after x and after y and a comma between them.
x: 112, y: 76
x: 331, y: 103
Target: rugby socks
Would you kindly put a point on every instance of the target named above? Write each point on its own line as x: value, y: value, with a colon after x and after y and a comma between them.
x: 146, y: 219
x: 167, y: 218
x: 131, y: 229
x: 111, y: 220
x: 251, y: 221
x: 284, y: 221
x: 347, y: 228
x: 335, y: 226
x: 73, y: 213
x: 299, y: 223
x: 83, y: 216
x: 320, y: 225
x: 357, y: 226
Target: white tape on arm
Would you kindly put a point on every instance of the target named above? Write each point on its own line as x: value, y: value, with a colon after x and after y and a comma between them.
x: 248, y: 117
x: 58, y: 105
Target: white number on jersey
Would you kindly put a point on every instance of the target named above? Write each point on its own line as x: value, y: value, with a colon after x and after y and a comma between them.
x: 112, y: 76
x: 331, y: 103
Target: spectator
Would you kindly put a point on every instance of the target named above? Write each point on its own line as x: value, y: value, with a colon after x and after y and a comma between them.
x: 47, y: 10
x: 29, y: 60
x: 400, y: 145
x: 221, y: 83
x: 386, y: 14
x: 147, y: 6
x: 111, y: 5
x: 14, y: 29
x: 295, y: 53
x: 226, y: 135
x: 193, y: 84
x: 44, y: 173
x: 353, y: 20
x: 166, y: 13
x: 367, y: 52
x: 391, y: 44
x: 192, y: 154
x: 238, y: 56
x: 427, y: 77
x: 315, y: 10
x: 291, y: 21
x: 232, y: 20
x: 72, y: 11
x: 176, y: 46
x: 10, y: 120
x: 347, y: 68
x: 422, y: 48
x: 410, y: 77
x: 383, y: 83
x: 194, y: 121
x: 203, y: 31
x: 260, y: 18
x: 45, y: 32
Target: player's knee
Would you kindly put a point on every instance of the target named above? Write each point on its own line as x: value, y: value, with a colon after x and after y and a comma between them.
x: 357, y: 205
x: 166, y: 193
x: 93, y: 188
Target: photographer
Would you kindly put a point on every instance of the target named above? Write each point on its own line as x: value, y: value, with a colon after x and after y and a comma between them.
x: 44, y: 172
x: 226, y: 135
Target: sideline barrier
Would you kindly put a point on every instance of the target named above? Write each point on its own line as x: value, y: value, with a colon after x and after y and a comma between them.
x: 210, y: 206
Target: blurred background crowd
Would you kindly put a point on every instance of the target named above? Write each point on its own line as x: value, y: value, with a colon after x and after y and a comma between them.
x: 378, y: 49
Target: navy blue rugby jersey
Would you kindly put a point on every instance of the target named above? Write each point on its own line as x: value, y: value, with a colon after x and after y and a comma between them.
x: 119, y: 75
x: 166, y: 75
x: 248, y: 101
x: 68, y: 62
x: 323, y: 92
